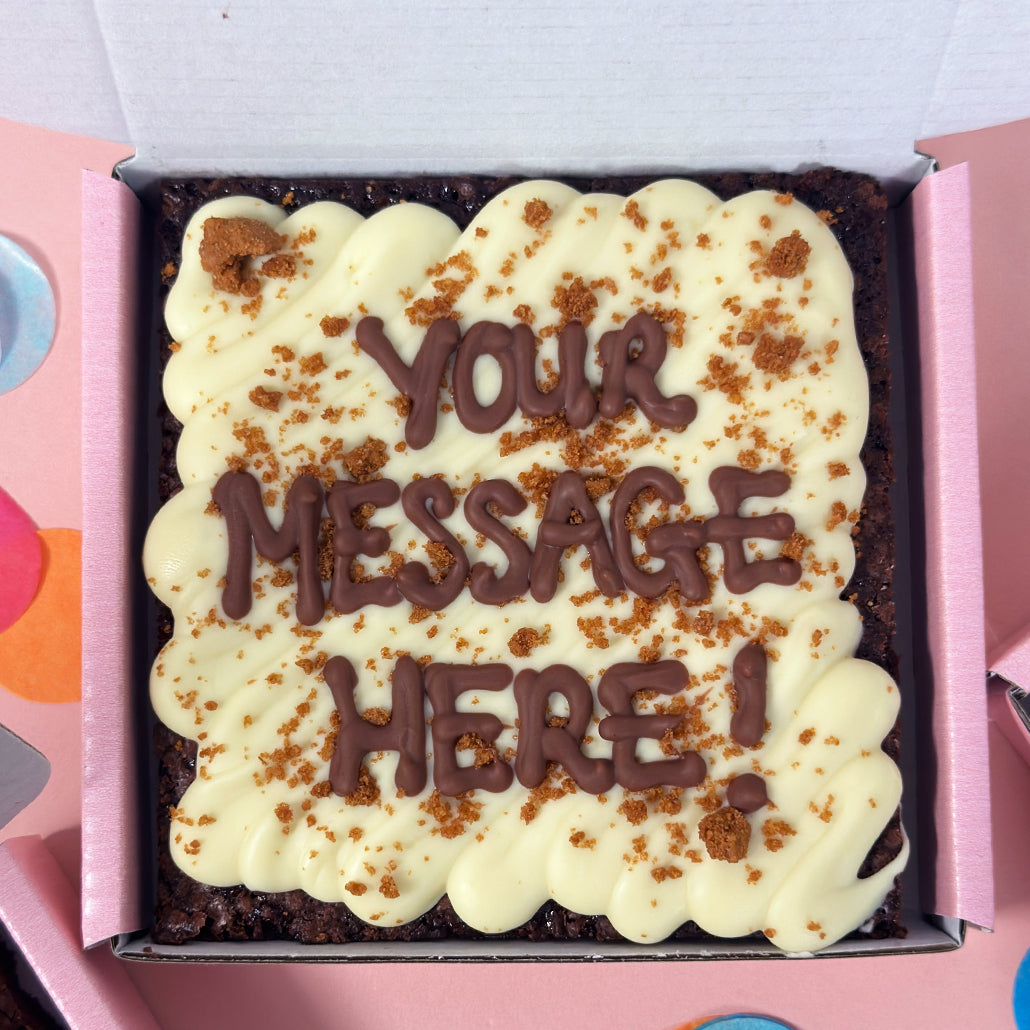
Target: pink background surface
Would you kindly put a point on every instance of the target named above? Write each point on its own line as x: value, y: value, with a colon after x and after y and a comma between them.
x: 968, y: 987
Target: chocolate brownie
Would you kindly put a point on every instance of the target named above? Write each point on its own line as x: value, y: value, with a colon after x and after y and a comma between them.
x: 854, y: 209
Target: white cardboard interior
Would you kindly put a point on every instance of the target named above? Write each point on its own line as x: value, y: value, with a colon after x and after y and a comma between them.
x: 455, y: 86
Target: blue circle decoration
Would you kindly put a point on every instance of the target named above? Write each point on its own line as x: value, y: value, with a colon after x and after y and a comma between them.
x: 28, y: 315
x: 1021, y: 994
x: 743, y: 1022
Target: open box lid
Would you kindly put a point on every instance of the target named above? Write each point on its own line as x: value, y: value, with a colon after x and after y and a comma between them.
x: 363, y: 91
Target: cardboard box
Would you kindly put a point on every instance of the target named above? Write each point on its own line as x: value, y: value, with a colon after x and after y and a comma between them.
x: 880, y: 124
x: 39, y: 910
x: 937, y: 217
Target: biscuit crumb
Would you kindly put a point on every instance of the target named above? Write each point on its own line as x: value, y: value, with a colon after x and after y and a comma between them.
x: 726, y: 835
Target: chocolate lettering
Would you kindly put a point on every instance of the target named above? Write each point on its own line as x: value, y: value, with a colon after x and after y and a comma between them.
x: 541, y: 742
x: 630, y: 372
x: 416, y: 583
x: 420, y: 382
x: 677, y: 544
x: 238, y: 496
x: 570, y: 519
x: 444, y: 683
x: 646, y: 584
x: 571, y: 394
x: 349, y: 541
x: 749, y: 670
x: 484, y: 339
x: 746, y: 793
x: 731, y: 486
x: 631, y: 358
x: 405, y: 732
x: 484, y: 583
x: 624, y: 727
x: 542, y: 738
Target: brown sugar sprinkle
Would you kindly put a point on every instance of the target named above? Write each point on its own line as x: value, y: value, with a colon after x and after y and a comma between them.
x: 634, y: 810
x: 789, y: 256
x: 364, y: 461
x: 440, y: 557
x: 668, y: 872
x: 826, y: 812
x: 453, y: 816
x: 388, y: 887
x: 313, y: 365
x: 794, y: 546
x: 632, y: 212
x: 774, y: 830
x: 227, y: 244
x: 367, y: 793
x: 282, y: 266
x: 805, y: 737
x: 833, y: 424
x: 536, y: 213
x: 575, y: 302
x: 776, y: 354
x: 703, y: 241
x: 837, y: 469
x: 554, y: 785
x: 486, y: 754
x: 426, y: 310
x: 333, y: 326
x: 537, y: 485
x: 376, y: 716
x: 401, y: 404
x: 660, y: 283
x: 169, y: 271
x: 284, y: 813
x: 726, y: 834
x: 579, y: 839
x: 723, y: 376
x: 355, y: 888
x: 523, y: 313
x: 784, y: 198
x: 267, y: 399
x: 522, y: 642
x: 838, y: 514
x: 594, y: 630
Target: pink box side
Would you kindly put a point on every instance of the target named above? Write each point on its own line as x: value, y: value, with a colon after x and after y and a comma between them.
x: 111, y: 862
x: 40, y: 910
x: 963, y: 869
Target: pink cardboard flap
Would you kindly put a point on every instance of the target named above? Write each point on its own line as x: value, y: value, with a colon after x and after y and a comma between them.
x: 963, y: 883
x: 110, y: 838
x: 40, y: 910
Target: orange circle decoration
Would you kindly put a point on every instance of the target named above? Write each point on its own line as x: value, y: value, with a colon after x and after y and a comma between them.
x: 41, y: 653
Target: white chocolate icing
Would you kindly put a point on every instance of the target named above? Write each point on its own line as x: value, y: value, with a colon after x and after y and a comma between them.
x: 262, y: 721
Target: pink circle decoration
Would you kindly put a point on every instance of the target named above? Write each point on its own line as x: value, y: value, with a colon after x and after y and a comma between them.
x: 21, y: 561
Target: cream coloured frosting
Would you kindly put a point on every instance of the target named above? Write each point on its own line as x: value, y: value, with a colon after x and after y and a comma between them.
x: 251, y: 693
